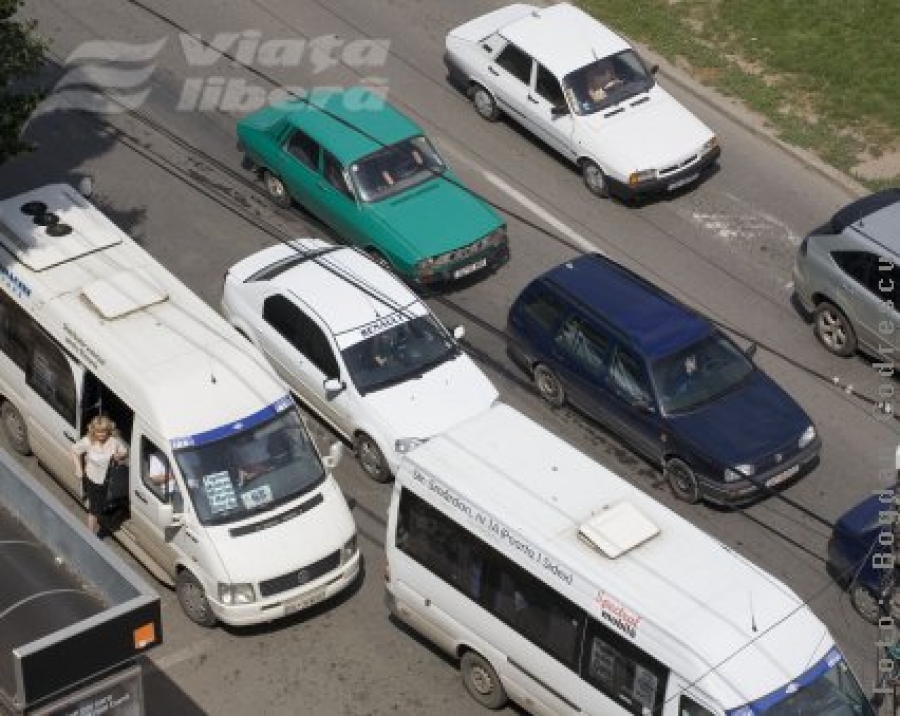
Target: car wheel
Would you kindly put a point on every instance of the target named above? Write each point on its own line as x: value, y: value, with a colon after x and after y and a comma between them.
x: 276, y: 189
x: 15, y: 428
x: 548, y: 386
x: 372, y: 459
x: 834, y: 331
x: 594, y: 178
x: 865, y: 603
x: 193, y: 599
x: 485, y: 104
x: 481, y: 681
x: 682, y: 480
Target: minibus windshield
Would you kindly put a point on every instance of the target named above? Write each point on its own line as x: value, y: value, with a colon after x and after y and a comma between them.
x: 252, y: 470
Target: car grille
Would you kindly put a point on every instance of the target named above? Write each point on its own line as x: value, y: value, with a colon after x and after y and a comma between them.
x: 678, y: 167
x: 463, y: 253
x: 299, y: 577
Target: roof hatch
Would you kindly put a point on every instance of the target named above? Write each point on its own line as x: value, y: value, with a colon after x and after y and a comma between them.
x: 122, y: 293
x: 617, y: 529
x: 50, y: 226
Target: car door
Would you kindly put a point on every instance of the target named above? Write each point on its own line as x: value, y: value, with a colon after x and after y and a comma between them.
x: 581, y: 355
x: 881, y: 320
x: 301, y: 353
x: 297, y: 164
x: 630, y: 404
x: 547, y: 113
x: 510, y: 76
x: 336, y: 198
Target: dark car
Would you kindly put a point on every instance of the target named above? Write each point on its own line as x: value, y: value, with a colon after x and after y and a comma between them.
x: 857, y: 560
x: 663, y: 378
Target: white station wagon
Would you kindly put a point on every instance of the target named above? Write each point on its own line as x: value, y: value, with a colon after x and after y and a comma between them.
x: 357, y: 346
x: 583, y: 90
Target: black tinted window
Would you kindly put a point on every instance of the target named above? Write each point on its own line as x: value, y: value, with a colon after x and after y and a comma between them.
x: 15, y: 331
x: 884, y: 281
x: 548, y: 87
x: 301, y: 332
x: 542, y: 308
x: 304, y: 149
x: 334, y: 175
x: 516, y: 62
x: 585, y: 346
x: 855, y: 263
x: 629, y: 379
x: 50, y: 375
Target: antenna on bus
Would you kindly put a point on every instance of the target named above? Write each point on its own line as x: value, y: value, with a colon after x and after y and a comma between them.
x: 753, y: 626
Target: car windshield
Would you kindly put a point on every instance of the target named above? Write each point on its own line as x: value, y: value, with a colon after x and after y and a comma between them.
x: 834, y: 693
x: 606, y: 82
x: 403, y: 352
x: 251, y: 471
x: 699, y: 373
x: 396, y: 168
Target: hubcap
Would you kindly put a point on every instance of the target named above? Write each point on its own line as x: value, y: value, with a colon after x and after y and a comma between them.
x: 275, y: 187
x: 594, y: 178
x: 481, y: 680
x: 483, y: 103
x: 547, y: 385
x: 194, y: 599
x: 368, y: 457
x: 832, y: 329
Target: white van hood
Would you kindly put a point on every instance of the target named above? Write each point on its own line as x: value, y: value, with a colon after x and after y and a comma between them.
x: 447, y: 395
x: 652, y: 134
x: 286, y: 546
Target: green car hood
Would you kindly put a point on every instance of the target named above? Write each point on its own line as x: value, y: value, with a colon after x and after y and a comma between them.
x: 437, y: 216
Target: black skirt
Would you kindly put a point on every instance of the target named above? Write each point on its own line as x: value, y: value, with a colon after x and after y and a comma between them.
x: 96, y: 496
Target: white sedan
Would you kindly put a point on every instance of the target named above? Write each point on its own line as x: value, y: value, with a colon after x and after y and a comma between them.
x: 584, y: 91
x: 357, y: 346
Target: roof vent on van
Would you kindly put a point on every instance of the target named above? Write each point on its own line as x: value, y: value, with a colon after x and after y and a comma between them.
x: 34, y: 208
x: 57, y: 230
x: 617, y: 529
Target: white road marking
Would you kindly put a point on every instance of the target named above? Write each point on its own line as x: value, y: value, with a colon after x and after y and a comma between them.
x: 543, y: 214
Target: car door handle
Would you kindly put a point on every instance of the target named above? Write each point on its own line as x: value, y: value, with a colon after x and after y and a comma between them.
x: 532, y: 99
x: 140, y: 497
x: 493, y: 71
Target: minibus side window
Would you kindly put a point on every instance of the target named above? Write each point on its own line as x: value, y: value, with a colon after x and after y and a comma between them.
x: 623, y: 671
x: 15, y: 328
x: 688, y: 707
x: 50, y: 375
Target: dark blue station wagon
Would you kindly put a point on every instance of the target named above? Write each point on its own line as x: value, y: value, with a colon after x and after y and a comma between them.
x: 663, y: 378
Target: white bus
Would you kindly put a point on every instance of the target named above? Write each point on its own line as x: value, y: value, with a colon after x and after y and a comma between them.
x: 251, y: 525
x: 559, y: 585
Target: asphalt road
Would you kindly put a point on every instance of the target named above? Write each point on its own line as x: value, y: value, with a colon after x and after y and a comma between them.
x: 171, y: 177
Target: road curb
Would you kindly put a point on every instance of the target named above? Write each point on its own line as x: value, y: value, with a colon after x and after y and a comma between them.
x: 752, y: 122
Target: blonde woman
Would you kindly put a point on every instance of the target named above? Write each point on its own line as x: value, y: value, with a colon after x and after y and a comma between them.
x: 92, y: 455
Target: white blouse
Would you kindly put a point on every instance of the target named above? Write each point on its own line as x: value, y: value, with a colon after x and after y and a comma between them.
x: 97, y: 456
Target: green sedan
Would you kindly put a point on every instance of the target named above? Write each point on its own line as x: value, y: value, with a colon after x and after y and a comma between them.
x: 370, y: 173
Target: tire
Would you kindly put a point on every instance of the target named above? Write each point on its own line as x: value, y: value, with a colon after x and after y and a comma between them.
x: 277, y: 190
x: 548, y: 386
x: 594, y: 179
x: 865, y: 603
x: 682, y: 480
x: 15, y: 428
x: 193, y: 599
x: 371, y: 459
x: 484, y: 103
x: 481, y: 681
x: 834, y: 330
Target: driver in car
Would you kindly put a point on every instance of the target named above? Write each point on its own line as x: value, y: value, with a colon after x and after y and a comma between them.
x: 601, y: 81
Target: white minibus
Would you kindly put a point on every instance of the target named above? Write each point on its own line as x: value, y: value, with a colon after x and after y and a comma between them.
x: 559, y: 585
x: 250, y: 525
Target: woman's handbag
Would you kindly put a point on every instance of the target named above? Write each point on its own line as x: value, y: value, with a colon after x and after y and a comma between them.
x: 116, y: 485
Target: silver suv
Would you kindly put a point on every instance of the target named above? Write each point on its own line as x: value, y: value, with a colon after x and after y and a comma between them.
x: 847, y: 276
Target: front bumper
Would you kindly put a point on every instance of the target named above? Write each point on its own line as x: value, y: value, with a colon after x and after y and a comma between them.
x: 671, y: 182
x: 290, y: 602
x: 743, y: 491
x: 489, y: 260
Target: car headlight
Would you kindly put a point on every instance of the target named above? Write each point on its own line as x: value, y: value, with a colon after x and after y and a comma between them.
x: 808, y: 436
x: 642, y: 176
x: 348, y: 550
x: 739, y: 472
x: 404, y: 445
x: 710, y: 144
x: 236, y: 593
x: 497, y: 237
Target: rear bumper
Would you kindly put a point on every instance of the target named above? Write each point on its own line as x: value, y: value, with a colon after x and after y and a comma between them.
x: 672, y: 182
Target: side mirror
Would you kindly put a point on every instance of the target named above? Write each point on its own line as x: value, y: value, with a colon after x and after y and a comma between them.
x: 751, y: 350
x: 459, y: 331
x: 643, y: 404
x: 86, y: 186
x: 335, y: 453
x: 168, y: 518
x: 559, y: 110
x: 654, y: 69
x: 332, y: 387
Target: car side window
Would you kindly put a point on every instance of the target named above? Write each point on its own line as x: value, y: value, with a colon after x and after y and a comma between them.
x: 628, y: 378
x: 334, y: 175
x: 884, y: 281
x: 584, y: 345
x: 304, y: 149
x: 493, y: 43
x: 548, y: 87
x: 542, y: 308
x: 516, y: 62
x: 855, y: 263
x: 301, y: 332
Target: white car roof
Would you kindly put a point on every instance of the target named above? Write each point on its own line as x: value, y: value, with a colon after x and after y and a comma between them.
x: 563, y: 38
x: 345, y: 288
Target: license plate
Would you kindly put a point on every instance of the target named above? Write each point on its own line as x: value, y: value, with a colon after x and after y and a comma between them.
x: 683, y: 181
x: 306, y: 602
x: 786, y: 475
x: 471, y: 268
